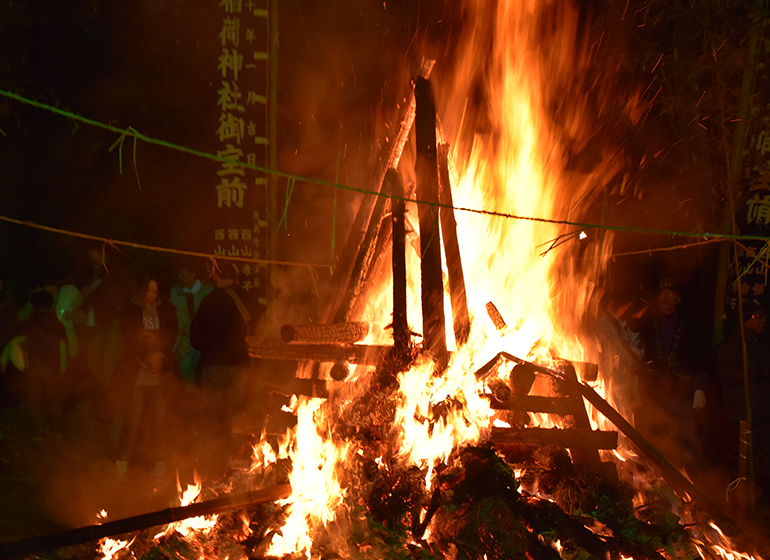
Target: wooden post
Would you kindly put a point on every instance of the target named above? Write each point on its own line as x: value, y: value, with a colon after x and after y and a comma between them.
x: 398, y: 207
x: 460, y: 317
x: 426, y: 169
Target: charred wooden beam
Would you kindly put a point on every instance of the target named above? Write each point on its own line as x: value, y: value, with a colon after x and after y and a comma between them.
x: 139, y: 522
x: 535, y: 403
x: 352, y: 353
x: 426, y: 169
x: 336, y: 333
x: 400, y: 324
x: 366, y: 253
x: 569, y: 438
x: 460, y: 317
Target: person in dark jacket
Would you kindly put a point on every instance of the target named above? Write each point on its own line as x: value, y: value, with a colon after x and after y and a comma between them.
x: 46, y: 361
x: 729, y: 365
x: 218, y: 331
x: 146, y: 372
x: 673, y: 380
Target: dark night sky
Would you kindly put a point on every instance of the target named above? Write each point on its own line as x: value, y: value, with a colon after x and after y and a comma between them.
x: 149, y: 64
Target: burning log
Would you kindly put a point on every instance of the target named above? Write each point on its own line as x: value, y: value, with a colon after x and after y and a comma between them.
x: 139, y: 522
x: 497, y: 318
x: 336, y: 333
x: 426, y: 169
x: 461, y: 318
x: 350, y: 353
x: 365, y: 255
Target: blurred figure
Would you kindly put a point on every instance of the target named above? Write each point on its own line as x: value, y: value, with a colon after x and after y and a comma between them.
x: 218, y: 331
x: 103, y: 295
x: 8, y: 324
x: 186, y: 297
x: 145, y: 375
x: 46, y: 361
x: 673, y: 380
x: 730, y: 370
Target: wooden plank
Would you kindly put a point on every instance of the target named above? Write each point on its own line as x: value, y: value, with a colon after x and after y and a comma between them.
x: 460, y: 317
x: 426, y: 169
x: 579, y: 417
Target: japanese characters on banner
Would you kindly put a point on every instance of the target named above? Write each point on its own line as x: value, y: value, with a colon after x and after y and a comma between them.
x: 752, y: 214
x: 240, y: 194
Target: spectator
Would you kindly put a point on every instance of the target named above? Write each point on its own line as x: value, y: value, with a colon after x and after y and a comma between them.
x: 730, y: 371
x: 103, y: 298
x: 46, y: 361
x: 218, y: 331
x: 145, y: 374
x: 672, y: 383
x: 186, y: 297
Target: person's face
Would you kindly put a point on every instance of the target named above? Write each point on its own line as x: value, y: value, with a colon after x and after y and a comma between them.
x: 151, y: 295
x: 187, y: 278
x: 667, y: 300
x: 756, y: 322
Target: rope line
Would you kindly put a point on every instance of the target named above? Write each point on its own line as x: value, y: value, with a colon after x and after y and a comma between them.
x: 494, y: 213
x: 210, y: 256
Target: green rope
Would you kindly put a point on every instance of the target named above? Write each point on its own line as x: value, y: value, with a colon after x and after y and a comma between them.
x: 138, y: 136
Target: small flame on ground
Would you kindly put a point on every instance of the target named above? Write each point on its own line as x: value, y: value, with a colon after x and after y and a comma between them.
x: 108, y: 547
x: 202, y: 524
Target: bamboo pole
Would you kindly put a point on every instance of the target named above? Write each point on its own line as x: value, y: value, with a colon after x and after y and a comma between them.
x: 130, y: 524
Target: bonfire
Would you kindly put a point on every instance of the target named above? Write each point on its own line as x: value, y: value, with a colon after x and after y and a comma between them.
x: 445, y: 400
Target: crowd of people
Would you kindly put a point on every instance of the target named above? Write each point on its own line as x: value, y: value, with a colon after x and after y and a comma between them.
x: 163, y: 367
x: 167, y: 368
